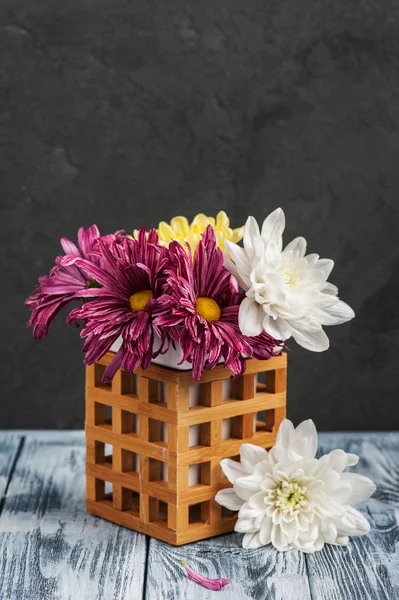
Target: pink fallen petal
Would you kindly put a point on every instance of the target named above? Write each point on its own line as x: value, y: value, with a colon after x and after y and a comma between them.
x: 210, y: 584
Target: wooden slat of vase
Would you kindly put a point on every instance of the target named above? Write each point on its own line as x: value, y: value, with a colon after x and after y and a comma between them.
x: 166, y: 374
x: 130, y: 441
x: 229, y: 447
x: 131, y: 520
x: 157, y: 489
x: 160, y: 530
x: 131, y: 403
x: 232, y: 408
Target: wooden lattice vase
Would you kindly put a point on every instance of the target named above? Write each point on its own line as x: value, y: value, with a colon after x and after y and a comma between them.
x: 155, y: 440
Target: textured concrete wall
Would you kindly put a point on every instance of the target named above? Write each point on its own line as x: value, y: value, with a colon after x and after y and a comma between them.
x: 125, y: 113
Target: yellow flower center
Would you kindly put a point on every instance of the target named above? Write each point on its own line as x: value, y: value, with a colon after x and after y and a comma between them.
x: 290, y: 279
x: 208, y: 309
x: 290, y: 497
x: 139, y: 300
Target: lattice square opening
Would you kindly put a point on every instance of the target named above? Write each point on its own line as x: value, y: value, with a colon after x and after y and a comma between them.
x: 227, y: 389
x: 158, y: 510
x: 226, y: 429
x: 199, y: 513
x: 108, y: 454
x: 261, y: 383
x: 131, y: 502
x: 99, y: 453
x: 237, y: 428
x: 199, y: 473
x: 130, y: 422
x: 158, y: 392
x: 264, y: 421
x: 103, y: 415
x: 130, y: 462
x: 98, y: 375
x: 200, y: 394
x: 233, y: 389
x: 157, y: 431
x: 158, y: 470
x: 129, y: 384
x: 194, y: 435
x: 199, y: 435
x: 108, y: 491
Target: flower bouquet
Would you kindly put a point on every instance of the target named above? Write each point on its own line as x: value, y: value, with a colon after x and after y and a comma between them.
x: 190, y: 287
x: 178, y: 323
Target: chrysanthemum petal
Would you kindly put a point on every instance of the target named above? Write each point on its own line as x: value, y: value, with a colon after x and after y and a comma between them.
x: 280, y: 329
x: 273, y: 228
x: 316, y: 341
x: 251, y: 455
x: 251, y: 232
x: 265, y: 532
x: 362, y: 487
x: 246, y: 526
x: 257, y: 501
x: 238, y: 264
x: 245, y: 487
x: 353, y: 523
x: 232, y: 469
x: 69, y: 247
x: 326, y: 265
x: 285, y: 433
x: 297, y: 246
x: 229, y: 499
x: 250, y: 317
x: 307, y: 432
x: 340, y: 312
x: 279, y: 538
x: 247, y: 512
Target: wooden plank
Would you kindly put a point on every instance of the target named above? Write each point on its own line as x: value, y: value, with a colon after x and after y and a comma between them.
x: 253, y: 574
x: 369, y: 566
x: 49, y: 546
x: 9, y: 446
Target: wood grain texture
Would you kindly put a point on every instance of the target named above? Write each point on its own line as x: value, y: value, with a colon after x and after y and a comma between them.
x: 50, y: 548
x: 253, y: 574
x: 9, y: 446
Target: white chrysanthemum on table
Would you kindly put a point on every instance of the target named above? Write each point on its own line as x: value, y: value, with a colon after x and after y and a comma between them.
x: 287, y: 293
x: 289, y: 498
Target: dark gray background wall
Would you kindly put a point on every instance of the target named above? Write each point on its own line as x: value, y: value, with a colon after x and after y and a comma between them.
x: 126, y: 113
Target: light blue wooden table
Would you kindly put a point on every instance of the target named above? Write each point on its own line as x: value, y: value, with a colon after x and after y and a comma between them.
x: 51, y: 549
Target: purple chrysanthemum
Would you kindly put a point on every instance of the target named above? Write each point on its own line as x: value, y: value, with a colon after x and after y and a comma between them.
x: 205, y: 303
x: 130, y: 298
x: 66, y: 281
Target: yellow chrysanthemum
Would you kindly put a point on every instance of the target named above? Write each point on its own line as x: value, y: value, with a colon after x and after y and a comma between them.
x: 181, y: 230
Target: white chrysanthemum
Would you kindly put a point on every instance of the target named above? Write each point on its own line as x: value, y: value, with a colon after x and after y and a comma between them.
x: 289, y: 498
x: 287, y: 293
